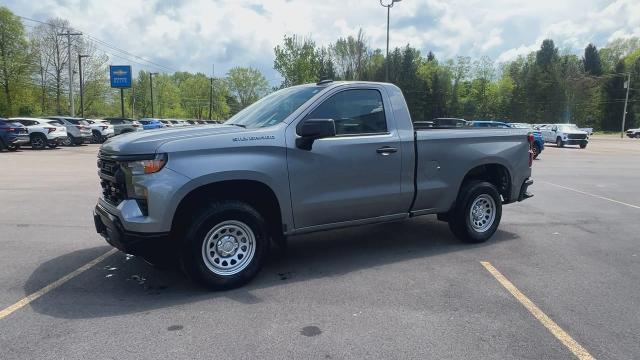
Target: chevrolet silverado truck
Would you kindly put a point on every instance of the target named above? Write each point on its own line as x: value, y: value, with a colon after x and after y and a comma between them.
x: 302, y: 159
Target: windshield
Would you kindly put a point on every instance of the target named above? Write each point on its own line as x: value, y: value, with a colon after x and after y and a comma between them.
x: 568, y: 127
x: 272, y: 109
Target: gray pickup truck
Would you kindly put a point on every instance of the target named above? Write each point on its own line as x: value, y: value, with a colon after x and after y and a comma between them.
x: 303, y: 159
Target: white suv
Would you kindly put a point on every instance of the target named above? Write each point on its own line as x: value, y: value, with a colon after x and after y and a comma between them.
x: 565, y: 134
x: 42, y: 132
x: 101, y: 130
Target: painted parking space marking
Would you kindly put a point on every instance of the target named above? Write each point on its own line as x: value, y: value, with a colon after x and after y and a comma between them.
x: 577, y: 349
x: 592, y: 195
x: 29, y: 298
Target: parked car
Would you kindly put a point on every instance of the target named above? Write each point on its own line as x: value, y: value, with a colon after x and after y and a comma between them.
x: 633, y: 133
x: 12, y: 135
x: 78, y: 129
x: 101, y: 130
x: 167, y: 123
x: 150, y: 123
x: 488, y: 124
x: 565, y: 134
x: 43, y: 133
x: 192, y: 122
x: 124, y: 125
x: 538, y: 140
x: 440, y: 123
x: 303, y: 159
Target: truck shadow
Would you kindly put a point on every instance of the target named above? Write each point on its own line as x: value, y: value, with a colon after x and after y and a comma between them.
x: 122, y: 284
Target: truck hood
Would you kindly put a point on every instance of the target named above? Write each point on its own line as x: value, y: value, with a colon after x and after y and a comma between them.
x: 148, y: 141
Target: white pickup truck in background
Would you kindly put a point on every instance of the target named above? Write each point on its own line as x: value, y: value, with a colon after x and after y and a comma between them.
x: 564, y: 134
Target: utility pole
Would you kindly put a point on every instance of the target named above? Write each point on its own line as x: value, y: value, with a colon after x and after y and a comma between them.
x: 81, y: 84
x: 69, y: 34
x: 627, y: 84
x: 151, y: 85
x: 133, y: 101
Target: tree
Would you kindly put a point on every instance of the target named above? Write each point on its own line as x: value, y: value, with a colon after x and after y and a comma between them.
x: 297, y: 61
x: 14, y: 59
x: 247, y: 84
x: 351, y: 57
x: 614, y: 94
x: 591, y: 61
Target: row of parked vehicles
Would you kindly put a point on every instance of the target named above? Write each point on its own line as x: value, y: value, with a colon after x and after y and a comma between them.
x: 53, y: 131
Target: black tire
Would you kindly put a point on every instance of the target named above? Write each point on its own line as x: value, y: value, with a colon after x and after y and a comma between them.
x: 637, y: 136
x: 202, y: 233
x: 96, y: 137
x: 13, y: 147
x: 583, y: 145
x: 2, y: 145
x: 69, y: 140
x: 460, y: 219
x: 38, y: 141
x: 559, y: 142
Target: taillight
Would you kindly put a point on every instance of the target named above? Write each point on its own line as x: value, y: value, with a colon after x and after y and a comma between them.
x: 531, y: 139
x: 50, y: 130
x: 11, y: 129
x: 80, y: 127
x: 136, y: 125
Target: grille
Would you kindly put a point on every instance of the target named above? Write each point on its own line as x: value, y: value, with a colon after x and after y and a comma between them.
x: 111, y: 180
x: 576, y: 136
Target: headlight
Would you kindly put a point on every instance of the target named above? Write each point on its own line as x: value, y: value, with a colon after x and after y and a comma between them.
x: 141, y: 167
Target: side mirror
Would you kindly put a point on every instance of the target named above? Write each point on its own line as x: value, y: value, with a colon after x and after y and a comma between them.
x: 313, y: 129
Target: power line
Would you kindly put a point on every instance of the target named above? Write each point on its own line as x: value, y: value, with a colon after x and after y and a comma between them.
x: 107, y: 44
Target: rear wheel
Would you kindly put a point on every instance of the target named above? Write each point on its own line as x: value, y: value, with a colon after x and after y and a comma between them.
x: 559, y: 142
x: 477, y: 212
x: 38, y: 141
x: 225, y: 245
x: 68, y: 140
x: 637, y: 136
x: 96, y: 137
x: 13, y: 147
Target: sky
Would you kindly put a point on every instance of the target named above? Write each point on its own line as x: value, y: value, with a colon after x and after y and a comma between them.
x: 192, y: 35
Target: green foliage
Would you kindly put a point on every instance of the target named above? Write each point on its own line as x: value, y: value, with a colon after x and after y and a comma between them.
x: 247, y: 84
x: 591, y: 61
x: 14, y: 64
x: 297, y: 61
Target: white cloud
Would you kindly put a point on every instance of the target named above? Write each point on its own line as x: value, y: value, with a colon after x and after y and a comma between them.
x: 193, y: 34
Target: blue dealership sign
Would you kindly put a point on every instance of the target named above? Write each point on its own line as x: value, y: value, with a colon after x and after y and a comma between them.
x: 120, y: 76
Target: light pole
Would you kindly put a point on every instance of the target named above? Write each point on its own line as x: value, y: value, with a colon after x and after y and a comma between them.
x: 151, y: 85
x: 386, y: 59
x: 81, y: 84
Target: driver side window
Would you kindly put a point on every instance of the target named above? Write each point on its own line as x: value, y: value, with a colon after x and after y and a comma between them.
x: 355, y: 112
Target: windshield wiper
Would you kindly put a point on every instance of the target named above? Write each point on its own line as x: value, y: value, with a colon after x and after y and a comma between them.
x: 242, y: 126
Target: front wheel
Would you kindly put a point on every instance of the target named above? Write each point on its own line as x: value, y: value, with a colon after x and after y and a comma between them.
x: 583, y: 145
x: 225, y: 245
x: 38, y: 142
x: 68, y: 140
x: 477, y: 212
x: 559, y: 143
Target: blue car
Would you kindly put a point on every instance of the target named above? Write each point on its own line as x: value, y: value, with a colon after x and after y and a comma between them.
x: 149, y: 123
x: 12, y: 135
x: 538, y: 140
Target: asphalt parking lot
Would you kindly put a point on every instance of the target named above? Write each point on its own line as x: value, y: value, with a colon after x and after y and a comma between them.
x: 405, y: 290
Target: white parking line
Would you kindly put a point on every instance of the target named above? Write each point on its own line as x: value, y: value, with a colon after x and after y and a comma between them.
x: 28, y: 299
x: 593, y: 195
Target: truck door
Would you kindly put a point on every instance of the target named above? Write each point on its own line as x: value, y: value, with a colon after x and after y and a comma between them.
x: 354, y: 175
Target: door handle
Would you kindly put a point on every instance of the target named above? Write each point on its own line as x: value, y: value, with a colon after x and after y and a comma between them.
x: 386, y: 150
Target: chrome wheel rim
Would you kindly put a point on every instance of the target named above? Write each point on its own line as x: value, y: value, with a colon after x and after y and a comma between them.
x: 66, y: 141
x: 482, y: 213
x: 228, y: 247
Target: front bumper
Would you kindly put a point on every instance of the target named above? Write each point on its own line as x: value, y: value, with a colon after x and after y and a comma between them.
x: 135, y: 243
x: 575, y: 141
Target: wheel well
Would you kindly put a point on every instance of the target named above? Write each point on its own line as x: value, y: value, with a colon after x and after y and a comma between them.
x: 36, y: 134
x: 254, y: 193
x: 496, y: 174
